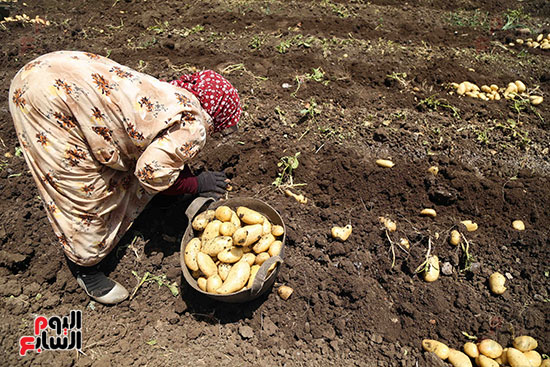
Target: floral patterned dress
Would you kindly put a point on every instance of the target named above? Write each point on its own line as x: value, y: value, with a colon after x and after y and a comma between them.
x: 100, y: 140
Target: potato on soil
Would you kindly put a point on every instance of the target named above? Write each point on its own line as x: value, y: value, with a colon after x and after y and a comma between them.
x: 455, y: 237
x: 459, y: 359
x: 470, y: 226
x: 284, y: 292
x: 231, y: 255
x: 440, y: 349
x: 385, y: 163
x: 496, y: 283
x: 206, y: 264
x: 545, y: 363
x: 236, y: 279
x: 190, y: 255
x: 249, y: 216
x: 490, y: 348
x: 432, y: 269
x: 213, y: 283
x: 341, y: 233
x: 223, y: 213
x: 518, y: 225
x: 525, y: 343
x: 428, y: 213
x: 263, y: 243
x: 216, y: 245
x: 201, y: 220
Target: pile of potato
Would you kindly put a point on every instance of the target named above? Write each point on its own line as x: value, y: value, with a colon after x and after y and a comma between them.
x: 540, y: 41
x: 230, y: 247
x: 494, y: 93
x: 489, y: 353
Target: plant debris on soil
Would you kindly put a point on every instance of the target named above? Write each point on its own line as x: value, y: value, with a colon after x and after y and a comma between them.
x: 339, y: 85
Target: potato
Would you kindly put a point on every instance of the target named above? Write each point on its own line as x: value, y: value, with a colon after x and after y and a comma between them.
x: 239, y: 236
x: 471, y: 350
x: 494, y: 87
x: 496, y: 283
x: 440, y: 349
x: 520, y: 86
x: 213, y: 283
x: 216, y: 245
x: 341, y: 233
x: 534, y: 358
x: 236, y: 279
x: 470, y: 226
x: 250, y: 258
x: 461, y: 89
x: 455, y: 237
x: 277, y: 230
x: 299, y: 198
x: 388, y: 223
x: 250, y: 233
x: 432, y: 272
x: 525, y: 343
x: 516, y: 358
x: 545, y: 363
x: 263, y: 243
x: 518, y: 225
x: 235, y: 220
x: 201, y: 282
x: 503, y: 359
x: 201, y: 220
x: 212, y: 230
x: 434, y: 170
x: 253, y: 270
x: 230, y: 255
x: 266, y: 226
x: 284, y: 292
x: 227, y: 229
x: 459, y: 359
x: 275, y: 248
x: 249, y: 216
x: 385, y: 163
x: 223, y: 213
x: 536, y: 100
x: 223, y: 270
x: 206, y: 264
x: 261, y: 257
x: 483, y: 361
x: 428, y: 213
x: 512, y: 88
x: 190, y: 254
x: 486, y: 89
x: 489, y: 348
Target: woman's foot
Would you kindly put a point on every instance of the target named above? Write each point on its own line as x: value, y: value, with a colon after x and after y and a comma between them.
x: 100, y: 287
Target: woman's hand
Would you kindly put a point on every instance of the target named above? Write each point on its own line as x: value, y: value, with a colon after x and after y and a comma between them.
x: 212, y: 184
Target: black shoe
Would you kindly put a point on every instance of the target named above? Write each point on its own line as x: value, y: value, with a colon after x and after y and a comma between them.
x: 98, y: 286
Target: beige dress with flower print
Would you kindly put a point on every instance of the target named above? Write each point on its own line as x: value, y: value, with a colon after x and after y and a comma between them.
x: 100, y: 140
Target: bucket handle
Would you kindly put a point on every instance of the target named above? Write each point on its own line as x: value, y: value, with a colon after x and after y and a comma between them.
x: 195, y: 206
x: 260, y: 278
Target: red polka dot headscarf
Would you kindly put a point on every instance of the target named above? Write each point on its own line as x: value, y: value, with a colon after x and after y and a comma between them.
x: 216, y: 95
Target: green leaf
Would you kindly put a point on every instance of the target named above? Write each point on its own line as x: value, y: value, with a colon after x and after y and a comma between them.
x: 151, y: 342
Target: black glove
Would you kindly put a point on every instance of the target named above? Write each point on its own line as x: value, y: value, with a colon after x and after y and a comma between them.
x: 214, y: 182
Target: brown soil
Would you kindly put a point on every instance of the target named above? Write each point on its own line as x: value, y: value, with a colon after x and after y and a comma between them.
x: 350, y: 307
